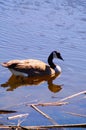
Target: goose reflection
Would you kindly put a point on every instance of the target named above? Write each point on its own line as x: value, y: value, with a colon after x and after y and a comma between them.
x: 19, y: 81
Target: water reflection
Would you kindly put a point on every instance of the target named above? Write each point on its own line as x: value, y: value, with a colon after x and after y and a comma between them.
x: 19, y: 81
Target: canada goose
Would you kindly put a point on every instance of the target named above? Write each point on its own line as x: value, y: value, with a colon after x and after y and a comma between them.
x: 31, y: 67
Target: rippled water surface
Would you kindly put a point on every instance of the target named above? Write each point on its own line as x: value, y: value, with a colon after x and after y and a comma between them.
x: 33, y: 29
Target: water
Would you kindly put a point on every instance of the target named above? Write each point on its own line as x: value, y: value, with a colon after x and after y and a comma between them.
x: 33, y: 29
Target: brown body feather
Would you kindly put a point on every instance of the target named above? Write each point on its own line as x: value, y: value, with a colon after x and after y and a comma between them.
x: 30, y: 67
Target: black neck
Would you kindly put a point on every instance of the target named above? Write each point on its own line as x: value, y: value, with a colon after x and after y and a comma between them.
x: 50, y: 61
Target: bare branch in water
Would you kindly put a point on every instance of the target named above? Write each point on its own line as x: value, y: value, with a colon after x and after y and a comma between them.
x: 45, y: 115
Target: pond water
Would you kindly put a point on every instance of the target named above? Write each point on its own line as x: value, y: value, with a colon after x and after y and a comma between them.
x: 33, y: 29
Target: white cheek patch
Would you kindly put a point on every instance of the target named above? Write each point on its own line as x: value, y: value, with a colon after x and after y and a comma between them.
x: 54, y: 55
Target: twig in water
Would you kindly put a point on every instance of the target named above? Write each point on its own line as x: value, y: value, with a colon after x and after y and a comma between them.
x: 45, y: 115
x: 75, y: 114
x: 72, y: 96
x: 7, y: 111
x: 57, y: 126
x: 49, y: 104
x: 20, y: 104
x: 17, y: 116
x: 24, y: 116
x: 83, y: 125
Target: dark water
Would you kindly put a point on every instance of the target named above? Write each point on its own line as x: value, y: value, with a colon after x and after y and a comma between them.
x: 32, y: 29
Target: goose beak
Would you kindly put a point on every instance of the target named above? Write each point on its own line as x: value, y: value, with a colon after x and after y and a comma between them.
x: 61, y: 58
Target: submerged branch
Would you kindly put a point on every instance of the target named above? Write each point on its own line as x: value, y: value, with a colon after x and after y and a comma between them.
x: 49, y: 104
x: 75, y: 114
x: 60, y: 102
x: 83, y: 125
x: 18, y: 116
x: 7, y: 111
x: 57, y: 126
x: 72, y: 96
x: 45, y: 115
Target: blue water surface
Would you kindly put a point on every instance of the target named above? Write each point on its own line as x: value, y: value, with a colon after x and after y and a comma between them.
x: 33, y: 29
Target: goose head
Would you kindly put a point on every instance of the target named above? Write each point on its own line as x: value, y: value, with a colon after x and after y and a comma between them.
x: 53, y: 55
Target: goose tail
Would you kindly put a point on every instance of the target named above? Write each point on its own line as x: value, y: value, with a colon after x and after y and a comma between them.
x: 3, y: 64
